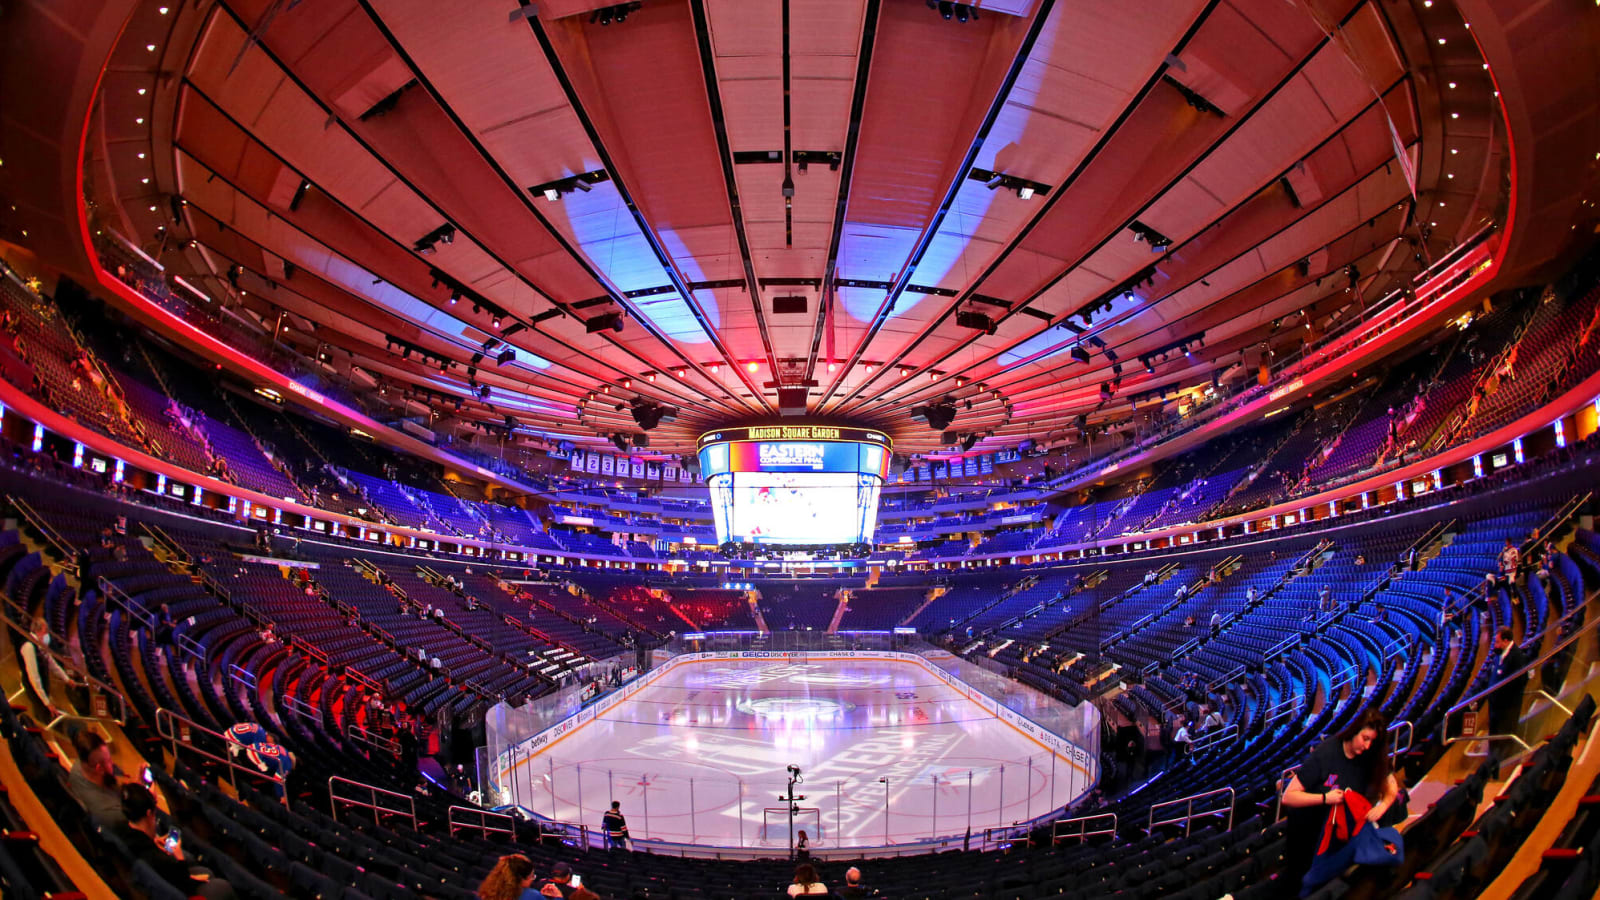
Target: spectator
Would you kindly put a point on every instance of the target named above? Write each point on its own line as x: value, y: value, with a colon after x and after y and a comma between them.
x: 563, y: 884
x: 806, y: 883
x: 1250, y: 594
x: 164, y: 854
x: 93, y: 779
x: 38, y: 666
x: 1216, y: 621
x: 802, y: 847
x: 615, y: 825
x: 1505, y: 704
x: 1547, y: 561
x: 1325, y: 599
x: 510, y: 879
x: 1180, y: 737
x: 1509, y: 559
x: 1356, y: 760
x: 1212, y: 720
x: 853, y: 888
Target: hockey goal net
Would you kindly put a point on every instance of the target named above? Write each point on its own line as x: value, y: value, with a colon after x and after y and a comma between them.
x: 775, y: 824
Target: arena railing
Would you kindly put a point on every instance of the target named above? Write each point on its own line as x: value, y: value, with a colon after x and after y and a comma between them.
x: 179, y: 732
x: 301, y: 708
x: 190, y: 646
x: 1452, y: 719
x: 482, y: 821
x: 105, y: 702
x: 1284, y: 709
x: 1189, y: 811
x: 62, y: 547
x: 118, y: 597
x: 398, y: 805
x: 1077, y: 829
x: 245, y: 677
x: 1215, y: 738
x: 377, y: 742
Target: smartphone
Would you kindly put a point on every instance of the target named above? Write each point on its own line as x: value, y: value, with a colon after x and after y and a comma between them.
x: 146, y: 776
x: 172, y: 840
x: 577, y: 881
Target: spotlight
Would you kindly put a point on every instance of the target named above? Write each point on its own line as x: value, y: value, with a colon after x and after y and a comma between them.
x: 1080, y: 354
x: 506, y: 355
x: 552, y: 194
x: 611, y: 320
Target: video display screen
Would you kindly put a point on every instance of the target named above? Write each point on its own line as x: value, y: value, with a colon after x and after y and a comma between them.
x: 794, y: 492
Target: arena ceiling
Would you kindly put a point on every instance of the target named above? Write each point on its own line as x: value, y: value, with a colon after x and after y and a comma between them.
x: 1015, y: 207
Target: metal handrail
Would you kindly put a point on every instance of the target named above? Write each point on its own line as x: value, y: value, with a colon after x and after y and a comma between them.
x: 1396, y: 647
x: 176, y: 729
x: 1282, y: 709
x: 1083, y: 833
x: 114, y: 594
x: 1395, y: 748
x: 190, y: 646
x: 1213, y: 738
x: 62, y: 547
x: 242, y: 675
x: 1189, y: 815
x: 995, y: 835
x: 76, y: 676
x: 1227, y: 677
x: 374, y: 794
x: 372, y: 739
x: 482, y: 826
x: 1282, y: 647
x: 1563, y: 644
x: 362, y: 678
x: 301, y: 708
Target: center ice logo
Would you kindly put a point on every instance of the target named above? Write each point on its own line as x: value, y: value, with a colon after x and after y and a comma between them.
x: 795, y: 708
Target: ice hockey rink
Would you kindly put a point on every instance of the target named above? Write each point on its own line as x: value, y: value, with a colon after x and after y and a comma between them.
x: 889, y: 753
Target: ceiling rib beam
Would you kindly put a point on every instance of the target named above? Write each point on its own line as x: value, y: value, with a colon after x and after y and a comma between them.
x: 1023, y: 305
x: 996, y: 105
x: 299, y: 228
x: 1053, y: 375
x: 847, y: 163
x: 553, y: 59
x: 200, y: 92
x: 1156, y: 79
x: 527, y: 202
x: 708, y: 67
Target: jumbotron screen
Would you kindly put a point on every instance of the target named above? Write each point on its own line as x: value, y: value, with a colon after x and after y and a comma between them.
x: 794, y: 484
